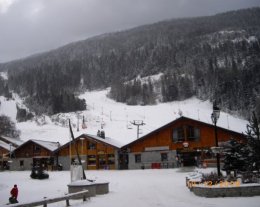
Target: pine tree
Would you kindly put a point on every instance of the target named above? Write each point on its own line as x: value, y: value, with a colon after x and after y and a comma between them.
x: 253, y: 136
x: 8, y: 128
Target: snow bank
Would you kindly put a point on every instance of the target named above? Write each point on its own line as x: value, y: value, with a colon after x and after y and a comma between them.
x: 146, y: 188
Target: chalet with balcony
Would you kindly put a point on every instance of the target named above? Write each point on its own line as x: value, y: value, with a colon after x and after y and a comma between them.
x: 95, y: 151
x: 183, y: 141
x: 7, y: 146
x: 34, y: 152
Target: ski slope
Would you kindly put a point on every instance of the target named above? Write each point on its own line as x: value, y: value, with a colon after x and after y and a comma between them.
x: 115, y: 118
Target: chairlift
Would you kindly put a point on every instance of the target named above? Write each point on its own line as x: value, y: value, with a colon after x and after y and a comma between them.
x: 129, y: 126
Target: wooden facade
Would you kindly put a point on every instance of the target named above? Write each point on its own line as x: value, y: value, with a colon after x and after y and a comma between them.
x: 184, y: 137
x: 95, y: 152
x: 34, y: 152
x: 3, y: 158
x: 7, y: 146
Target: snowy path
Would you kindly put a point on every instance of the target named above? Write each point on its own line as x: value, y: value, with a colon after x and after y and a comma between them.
x: 146, y: 188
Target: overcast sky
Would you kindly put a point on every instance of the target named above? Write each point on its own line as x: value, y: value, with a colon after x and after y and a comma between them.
x: 31, y: 26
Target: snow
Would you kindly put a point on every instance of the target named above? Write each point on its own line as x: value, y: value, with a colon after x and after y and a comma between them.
x: 14, y: 141
x: 107, y: 140
x: 48, y: 145
x: 81, y: 183
x: 128, y: 188
x: 8, y: 108
x: 115, y: 118
x: 4, y: 75
x: 6, y: 146
x: 252, y: 39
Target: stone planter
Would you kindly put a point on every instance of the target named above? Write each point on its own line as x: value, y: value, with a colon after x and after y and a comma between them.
x: 101, y: 187
x: 97, y: 187
x: 81, y: 185
x: 240, y: 191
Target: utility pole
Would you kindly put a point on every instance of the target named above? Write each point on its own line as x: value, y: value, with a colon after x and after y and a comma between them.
x: 138, y: 123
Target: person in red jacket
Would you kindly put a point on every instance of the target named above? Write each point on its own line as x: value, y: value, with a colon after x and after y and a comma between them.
x: 14, y: 195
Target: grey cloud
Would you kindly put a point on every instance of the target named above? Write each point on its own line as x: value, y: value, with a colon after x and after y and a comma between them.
x: 31, y: 26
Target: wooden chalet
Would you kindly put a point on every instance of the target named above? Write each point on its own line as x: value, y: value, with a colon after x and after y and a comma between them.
x: 34, y: 152
x: 183, y: 141
x: 96, y: 152
x: 7, y: 145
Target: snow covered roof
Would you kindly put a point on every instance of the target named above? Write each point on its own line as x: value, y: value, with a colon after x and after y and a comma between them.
x: 176, y: 120
x: 106, y: 140
x: 46, y: 144
x: 15, y: 141
x: 6, y: 146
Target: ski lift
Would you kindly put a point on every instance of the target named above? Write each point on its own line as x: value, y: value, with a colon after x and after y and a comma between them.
x: 102, y: 124
x: 129, y: 126
x: 84, y: 126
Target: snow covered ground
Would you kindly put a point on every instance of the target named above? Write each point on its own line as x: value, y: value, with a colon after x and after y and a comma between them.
x: 115, y: 118
x: 128, y: 188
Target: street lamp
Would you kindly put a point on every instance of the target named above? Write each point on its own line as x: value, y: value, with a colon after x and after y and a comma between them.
x: 214, y: 117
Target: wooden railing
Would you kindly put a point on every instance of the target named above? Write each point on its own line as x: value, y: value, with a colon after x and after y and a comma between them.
x: 44, y: 202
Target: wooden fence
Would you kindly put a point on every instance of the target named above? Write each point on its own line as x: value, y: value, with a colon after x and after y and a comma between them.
x: 44, y: 202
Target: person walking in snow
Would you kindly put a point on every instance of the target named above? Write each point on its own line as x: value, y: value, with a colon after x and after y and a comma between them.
x: 14, y: 195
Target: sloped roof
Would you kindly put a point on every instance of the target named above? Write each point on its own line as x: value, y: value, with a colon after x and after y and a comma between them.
x: 106, y: 140
x: 47, y: 144
x: 6, y: 146
x: 51, y: 146
x: 174, y: 121
x: 15, y: 141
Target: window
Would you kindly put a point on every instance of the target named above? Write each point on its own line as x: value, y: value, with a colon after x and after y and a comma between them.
x: 111, y: 159
x: 21, y: 163
x: 37, y: 149
x: 178, y: 134
x: 91, y: 159
x: 164, y: 157
x: 91, y: 145
x: 137, y: 158
x: 193, y: 133
x: 102, y: 160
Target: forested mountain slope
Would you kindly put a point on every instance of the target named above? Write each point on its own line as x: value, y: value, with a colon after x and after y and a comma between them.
x: 214, y: 57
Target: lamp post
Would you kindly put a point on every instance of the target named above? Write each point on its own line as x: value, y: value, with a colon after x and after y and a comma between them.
x: 214, y: 117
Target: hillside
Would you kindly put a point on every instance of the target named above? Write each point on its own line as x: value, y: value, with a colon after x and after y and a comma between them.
x: 115, y: 118
x: 213, y: 58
